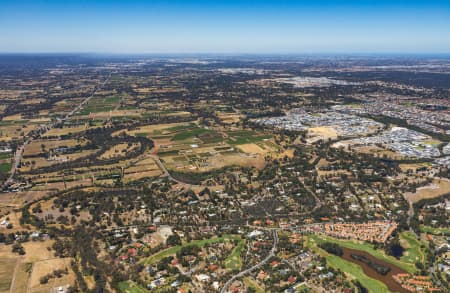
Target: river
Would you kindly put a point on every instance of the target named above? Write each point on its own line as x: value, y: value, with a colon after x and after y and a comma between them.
x: 387, y: 279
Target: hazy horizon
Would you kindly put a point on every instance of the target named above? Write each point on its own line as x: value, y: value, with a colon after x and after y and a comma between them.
x: 237, y: 54
x: 225, y: 27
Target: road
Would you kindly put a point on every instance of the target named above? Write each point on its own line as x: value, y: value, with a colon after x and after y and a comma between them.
x: 43, y: 129
x: 258, y: 265
x: 16, y: 268
x: 318, y: 201
x: 16, y: 163
x: 166, y: 172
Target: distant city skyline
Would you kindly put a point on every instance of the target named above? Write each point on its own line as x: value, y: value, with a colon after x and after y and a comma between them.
x: 225, y: 27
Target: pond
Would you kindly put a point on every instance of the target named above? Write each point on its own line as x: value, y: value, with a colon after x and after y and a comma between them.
x: 396, y: 250
x: 387, y: 279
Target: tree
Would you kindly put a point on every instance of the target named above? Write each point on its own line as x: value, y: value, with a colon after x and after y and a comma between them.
x: 173, y: 240
x: 17, y: 247
x: 44, y: 279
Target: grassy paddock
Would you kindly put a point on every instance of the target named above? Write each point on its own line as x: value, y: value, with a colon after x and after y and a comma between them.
x: 7, y: 266
x: 4, y: 156
x: 244, y: 137
x: 22, y: 276
x: 5, y: 167
x: 190, y: 133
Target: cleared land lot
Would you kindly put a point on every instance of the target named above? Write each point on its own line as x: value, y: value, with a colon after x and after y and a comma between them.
x: 252, y: 149
x: 437, y: 188
x: 323, y: 132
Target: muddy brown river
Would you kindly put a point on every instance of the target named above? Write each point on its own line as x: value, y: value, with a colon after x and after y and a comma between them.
x: 386, y: 279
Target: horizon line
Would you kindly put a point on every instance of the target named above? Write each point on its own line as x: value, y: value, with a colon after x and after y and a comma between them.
x: 324, y: 53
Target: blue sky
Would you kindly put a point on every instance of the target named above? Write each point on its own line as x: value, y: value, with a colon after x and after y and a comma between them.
x: 277, y: 26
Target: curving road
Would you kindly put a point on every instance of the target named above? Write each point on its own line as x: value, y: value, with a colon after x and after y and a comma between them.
x: 166, y: 172
x: 258, y: 265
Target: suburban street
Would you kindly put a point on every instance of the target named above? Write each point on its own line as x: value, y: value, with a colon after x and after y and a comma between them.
x: 258, y: 265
